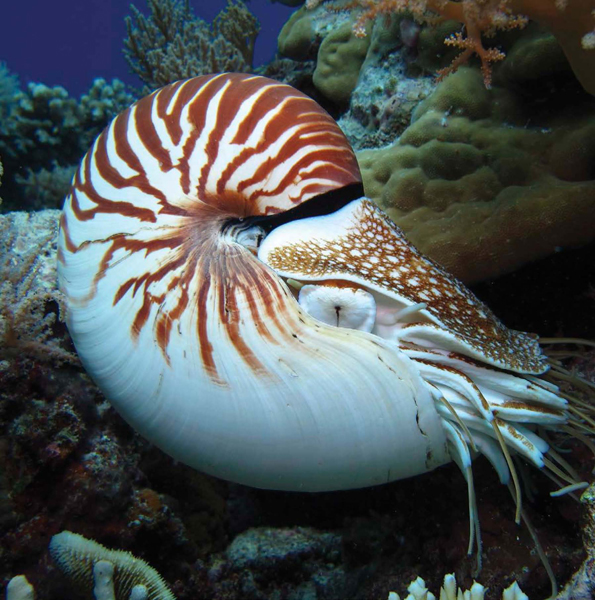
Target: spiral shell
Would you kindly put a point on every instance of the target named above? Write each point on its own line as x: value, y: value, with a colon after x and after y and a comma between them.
x: 197, y: 343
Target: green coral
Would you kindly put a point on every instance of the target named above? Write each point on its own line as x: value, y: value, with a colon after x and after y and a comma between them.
x: 46, y: 187
x: 172, y: 43
x: 340, y: 58
x: 9, y: 88
x: 479, y: 189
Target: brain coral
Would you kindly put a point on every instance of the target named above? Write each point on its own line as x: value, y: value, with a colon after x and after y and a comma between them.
x: 487, y: 186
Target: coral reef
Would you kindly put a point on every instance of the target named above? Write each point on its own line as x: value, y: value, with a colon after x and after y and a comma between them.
x: 292, y: 72
x: 310, y: 559
x: 172, y: 43
x: 44, y: 132
x: 572, y: 23
x: 477, y: 188
x: 482, y: 180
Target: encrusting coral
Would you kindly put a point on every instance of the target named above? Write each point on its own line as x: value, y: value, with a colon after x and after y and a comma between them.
x: 340, y: 59
x: 172, y: 43
x: 113, y: 574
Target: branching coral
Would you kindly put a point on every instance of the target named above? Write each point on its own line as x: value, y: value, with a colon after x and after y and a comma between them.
x: 571, y: 22
x: 43, y: 127
x: 46, y: 187
x: 449, y: 591
x: 9, y: 88
x: 172, y: 43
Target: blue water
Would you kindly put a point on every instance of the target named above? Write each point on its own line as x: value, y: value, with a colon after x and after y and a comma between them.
x: 71, y: 42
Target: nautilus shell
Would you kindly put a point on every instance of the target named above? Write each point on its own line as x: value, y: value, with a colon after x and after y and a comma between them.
x: 247, y: 311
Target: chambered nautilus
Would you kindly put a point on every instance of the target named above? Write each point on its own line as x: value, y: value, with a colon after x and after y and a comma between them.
x: 247, y: 312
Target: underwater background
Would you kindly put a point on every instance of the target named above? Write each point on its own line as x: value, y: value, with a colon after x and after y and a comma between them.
x: 487, y: 165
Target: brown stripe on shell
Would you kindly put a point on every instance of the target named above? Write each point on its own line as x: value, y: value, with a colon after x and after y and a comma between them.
x: 180, y: 93
x: 197, y: 115
x: 110, y: 174
x: 266, y: 300
x: 228, y: 292
x: 103, y: 205
x: 147, y: 133
x: 162, y: 100
x: 273, y: 95
x: 70, y: 246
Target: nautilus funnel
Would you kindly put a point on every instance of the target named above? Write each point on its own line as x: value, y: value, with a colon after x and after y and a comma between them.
x: 202, y: 347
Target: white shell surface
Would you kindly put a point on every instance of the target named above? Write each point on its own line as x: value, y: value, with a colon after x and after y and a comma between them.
x: 334, y: 409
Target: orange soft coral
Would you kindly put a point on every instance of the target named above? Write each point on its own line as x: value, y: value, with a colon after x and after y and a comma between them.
x: 571, y: 21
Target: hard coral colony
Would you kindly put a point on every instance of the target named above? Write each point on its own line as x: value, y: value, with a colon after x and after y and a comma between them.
x: 245, y: 310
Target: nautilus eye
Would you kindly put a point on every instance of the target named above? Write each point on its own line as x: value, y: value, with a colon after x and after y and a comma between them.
x: 191, y: 224
x: 342, y: 306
